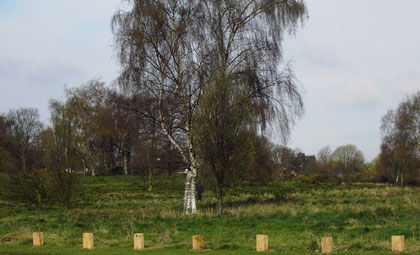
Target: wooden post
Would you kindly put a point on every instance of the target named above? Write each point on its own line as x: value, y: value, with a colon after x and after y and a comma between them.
x: 87, y: 241
x: 139, y: 241
x: 397, y: 243
x: 326, y: 245
x: 262, y: 243
x: 38, y: 238
x: 198, y: 242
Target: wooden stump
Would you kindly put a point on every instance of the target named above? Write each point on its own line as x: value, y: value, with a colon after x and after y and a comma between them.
x: 38, y: 238
x: 262, y: 243
x: 397, y: 243
x: 138, y: 242
x: 326, y: 245
x: 198, y: 242
x: 87, y: 241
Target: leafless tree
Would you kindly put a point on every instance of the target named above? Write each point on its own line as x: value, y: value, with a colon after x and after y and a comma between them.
x: 24, y: 124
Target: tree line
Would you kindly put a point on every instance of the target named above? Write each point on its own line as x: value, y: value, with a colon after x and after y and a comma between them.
x: 93, y: 131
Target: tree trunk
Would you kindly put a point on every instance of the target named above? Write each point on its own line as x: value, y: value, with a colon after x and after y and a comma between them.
x: 125, y: 164
x: 402, y: 179
x: 192, y: 194
x: 85, y: 168
x: 151, y: 173
x: 23, y: 157
x: 190, y: 206
x: 220, y: 201
x: 187, y: 197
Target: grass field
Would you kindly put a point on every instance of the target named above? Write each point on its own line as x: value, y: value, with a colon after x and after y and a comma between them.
x: 361, y: 218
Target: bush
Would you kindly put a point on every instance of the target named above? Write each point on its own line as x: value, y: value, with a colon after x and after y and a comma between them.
x: 30, y: 187
x: 312, y: 178
x: 283, y: 192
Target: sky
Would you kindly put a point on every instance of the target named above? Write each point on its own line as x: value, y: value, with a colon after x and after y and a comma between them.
x: 355, y: 60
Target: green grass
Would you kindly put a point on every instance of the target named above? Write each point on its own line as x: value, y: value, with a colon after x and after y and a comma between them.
x: 361, y: 218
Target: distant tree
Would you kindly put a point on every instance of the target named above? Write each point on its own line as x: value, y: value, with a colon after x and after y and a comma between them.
x: 324, y: 156
x: 93, y: 122
x: 399, y: 159
x: 6, y: 138
x: 126, y: 127
x: 169, y: 50
x: 22, y: 136
x: 369, y: 173
x: 25, y: 126
x: 283, y: 157
x: 266, y: 161
x: 348, y: 159
x: 63, y: 143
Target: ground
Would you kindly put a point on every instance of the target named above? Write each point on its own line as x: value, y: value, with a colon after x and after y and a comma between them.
x: 361, y: 218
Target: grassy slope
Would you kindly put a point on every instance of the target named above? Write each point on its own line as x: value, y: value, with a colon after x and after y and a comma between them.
x: 361, y: 218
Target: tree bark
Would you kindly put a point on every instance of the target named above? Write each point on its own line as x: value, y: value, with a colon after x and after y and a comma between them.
x: 125, y: 164
x: 190, y: 206
x: 187, y: 197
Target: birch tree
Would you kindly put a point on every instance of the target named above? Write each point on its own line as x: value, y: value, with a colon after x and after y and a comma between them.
x: 168, y: 50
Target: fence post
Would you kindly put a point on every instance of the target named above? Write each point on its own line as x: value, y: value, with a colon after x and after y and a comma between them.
x: 139, y: 241
x: 262, y: 243
x: 198, y: 242
x: 326, y: 245
x: 397, y: 243
x: 38, y: 238
x: 88, y: 241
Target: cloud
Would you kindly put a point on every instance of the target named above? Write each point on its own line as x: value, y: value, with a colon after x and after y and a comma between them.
x: 360, y: 92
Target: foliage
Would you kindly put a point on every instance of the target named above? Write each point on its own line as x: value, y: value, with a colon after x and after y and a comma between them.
x: 348, y: 159
x: 63, y: 143
x: 224, y: 136
x: 312, y: 179
x: 31, y: 187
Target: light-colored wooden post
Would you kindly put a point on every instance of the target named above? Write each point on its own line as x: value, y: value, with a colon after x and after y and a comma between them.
x: 138, y: 241
x: 198, y: 242
x: 38, y: 238
x: 88, y: 241
x: 262, y: 243
x: 397, y: 243
x: 326, y: 245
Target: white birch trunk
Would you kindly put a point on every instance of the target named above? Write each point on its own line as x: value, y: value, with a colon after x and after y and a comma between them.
x: 192, y: 195
x: 187, y: 196
x: 190, y: 206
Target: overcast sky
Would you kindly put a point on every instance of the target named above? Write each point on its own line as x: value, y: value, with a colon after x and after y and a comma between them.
x: 355, y: 59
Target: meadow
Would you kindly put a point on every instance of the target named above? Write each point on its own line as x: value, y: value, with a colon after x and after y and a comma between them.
x: 361, y: 218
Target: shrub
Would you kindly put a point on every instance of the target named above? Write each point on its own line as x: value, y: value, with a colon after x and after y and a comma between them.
x: 312, y: 178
